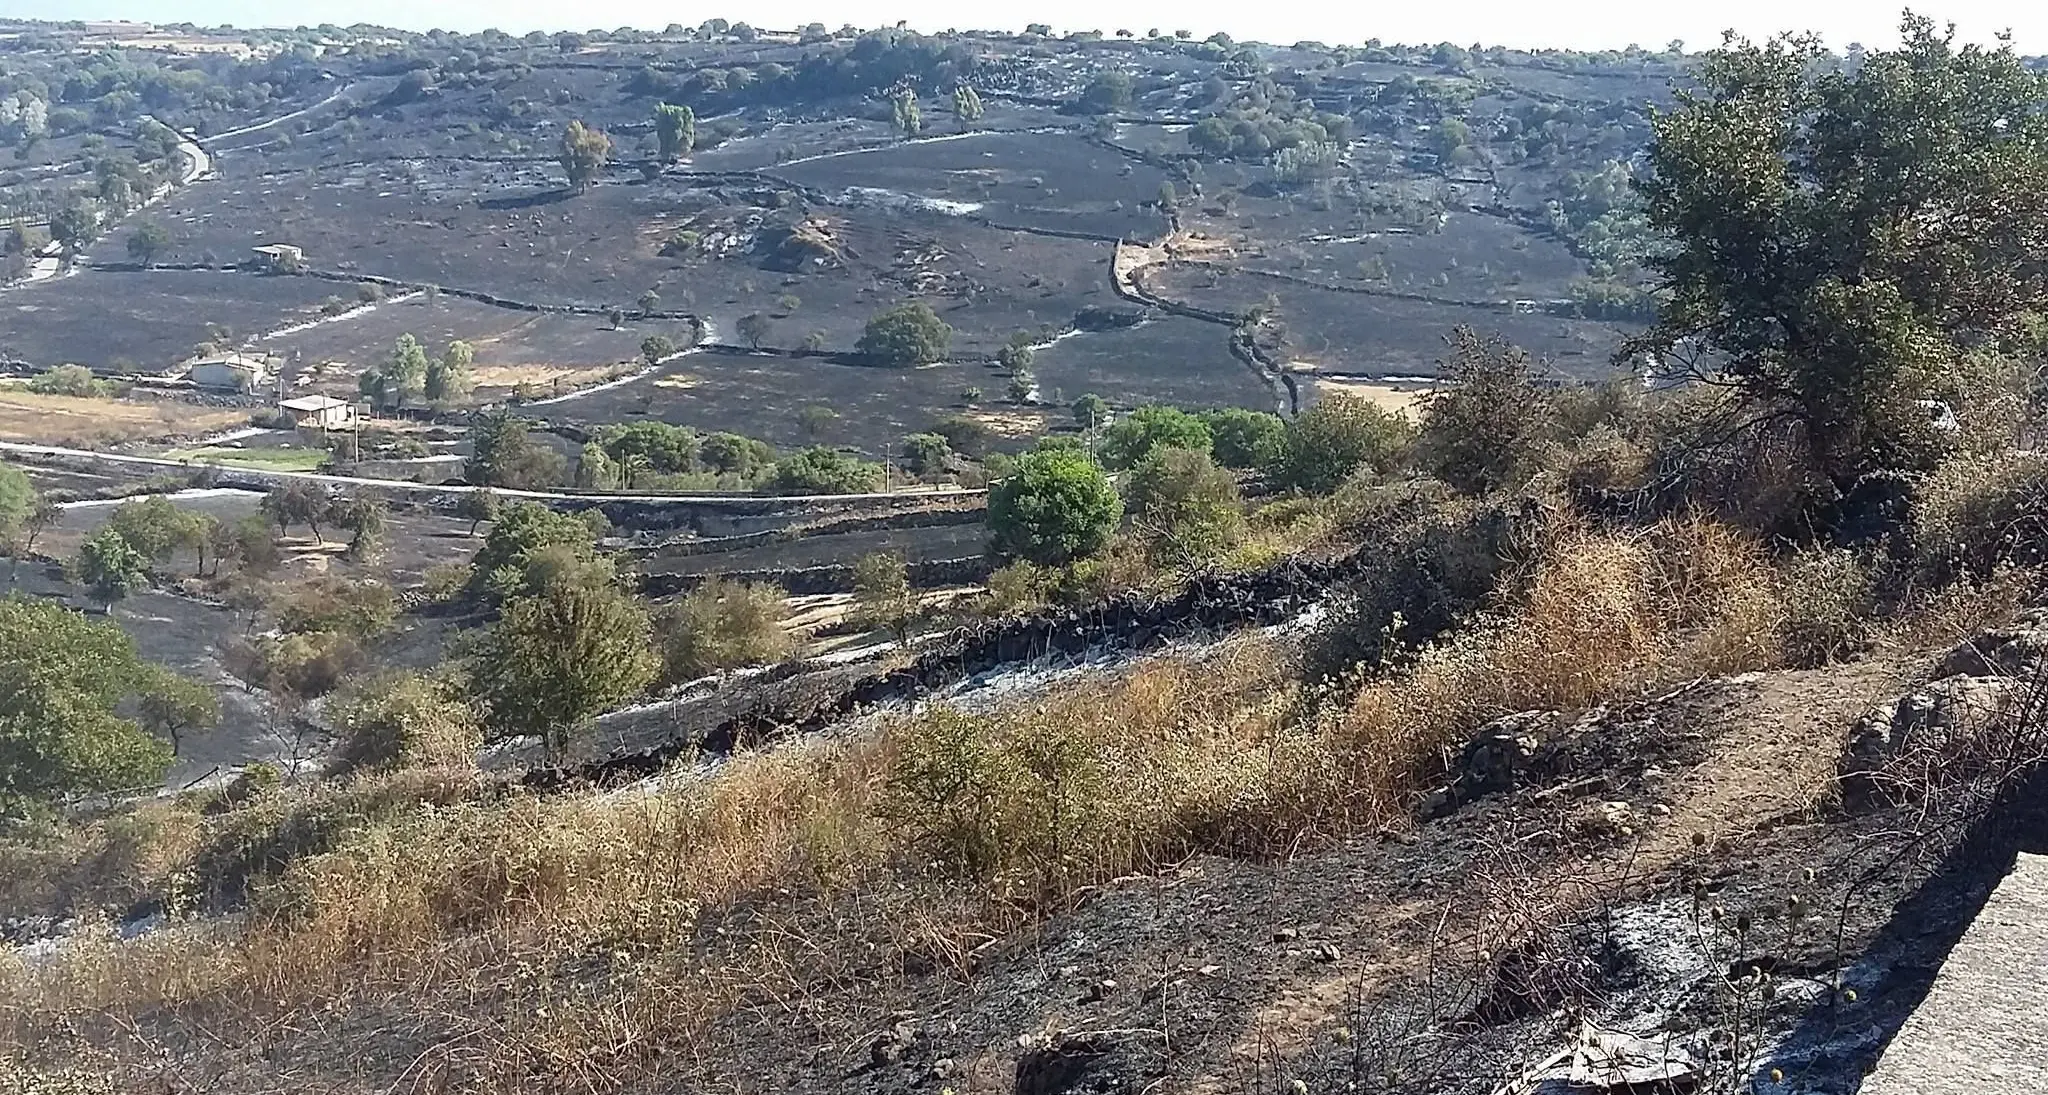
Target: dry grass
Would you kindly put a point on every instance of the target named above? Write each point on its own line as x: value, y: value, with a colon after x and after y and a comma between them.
x: 71, y: 422
x: 945, y: 828
x: 542, y: 378
x: 1013, y: 424
x: 1397, y: 398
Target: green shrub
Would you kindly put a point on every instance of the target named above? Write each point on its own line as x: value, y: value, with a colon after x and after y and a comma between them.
x: 1245, y: 439
x: 72, y: 380
x: 1133, y: 436
x: 1057, y: 506
x: 1340, y: 435
x: 721, y: 625
x: 1828, y: 606
x: 403, y: 721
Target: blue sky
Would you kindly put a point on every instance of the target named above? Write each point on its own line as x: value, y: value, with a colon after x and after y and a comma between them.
x: 1586, y: 25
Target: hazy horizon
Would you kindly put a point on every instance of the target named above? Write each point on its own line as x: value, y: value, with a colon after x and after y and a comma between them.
x: 1603, y: 25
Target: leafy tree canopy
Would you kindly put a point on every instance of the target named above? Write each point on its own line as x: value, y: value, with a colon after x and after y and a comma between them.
x: 62, y: 678
x: 908, y: 334
x: 1055, y: 507
x: 1148, y: 428
x: 1340, y: 435
x: 1840, y: 234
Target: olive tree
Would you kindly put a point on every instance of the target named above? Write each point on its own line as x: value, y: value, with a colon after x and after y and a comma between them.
x: 1840, y: 234
x: 1055, y: 507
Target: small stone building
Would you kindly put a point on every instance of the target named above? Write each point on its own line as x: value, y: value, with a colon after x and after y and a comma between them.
x: 282, y: 256
x: 230, y: 373
x: 319, y: 412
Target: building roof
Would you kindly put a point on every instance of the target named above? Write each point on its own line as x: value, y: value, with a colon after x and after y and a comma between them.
x: 313, y: 403
x: 233, y: 361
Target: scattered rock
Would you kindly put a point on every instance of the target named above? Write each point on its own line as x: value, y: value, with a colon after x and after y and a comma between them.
x: 1286, y: 935
x: 1326, y: 952
x: 2013, y: 651
x: 1927, y: 734
x: 1100, y: 990
x: 1500, y: 753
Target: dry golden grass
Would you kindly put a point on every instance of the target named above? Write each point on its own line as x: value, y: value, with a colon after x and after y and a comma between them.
x: 542, y: 378
x: 1398, y: 398
x: 946, y: 828
x: 1013, y: 423
x: 72, y: 422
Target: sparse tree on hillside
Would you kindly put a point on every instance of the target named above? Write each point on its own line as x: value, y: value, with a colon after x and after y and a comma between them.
x: 403, y: 376
x: 1842, y: 237
x: 654, y: 348
x: 908, y: 334
x: 1152, y: 427
x: 1340, y: 435
x: 153, y: 526
x: 1056, y: 507
x: 170, y: 705
x: 721, y: 625
x: 675, y: 128
x: 819, y: 470
x: 109, y: 568
x: 366, y: 519
x: 1107, y: 93
x: 558, y: 658
x: 1090, y: 411
x: 1244, y: 439
x: 648, y: 302
x: 926, y: 453
x: 68, y: 677
x: 754, y: 327
x: 75, y: 226
x: 1485, y: 423
x: 503, y: 453
x: 147, y: 242
x: 18, y: 503
x: 594, y: 468
x: 882, y: 595
x: 295, y: 503
x: 448, y: 378
x: 1184, y: 506
x: 909, y: 118
x: 476, y: 507
x: 813, y: 419
x: 1017, y: 355
x: 966, y: 105
x: 1021, y: 385
x: 45, y: 515
x: 584, y: 154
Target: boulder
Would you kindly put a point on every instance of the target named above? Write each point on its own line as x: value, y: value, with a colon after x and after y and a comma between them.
x: 2020, y: 650
x: 1503, y: 753
x: 1928, y: 735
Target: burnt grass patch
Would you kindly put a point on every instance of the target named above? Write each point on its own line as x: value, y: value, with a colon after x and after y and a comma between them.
x: 1371, y: 334
x: 988, y: 284
x: 144, y: 320
x: 1473, y: 256
x: 1059, y: 181
x: 1166, y: 359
